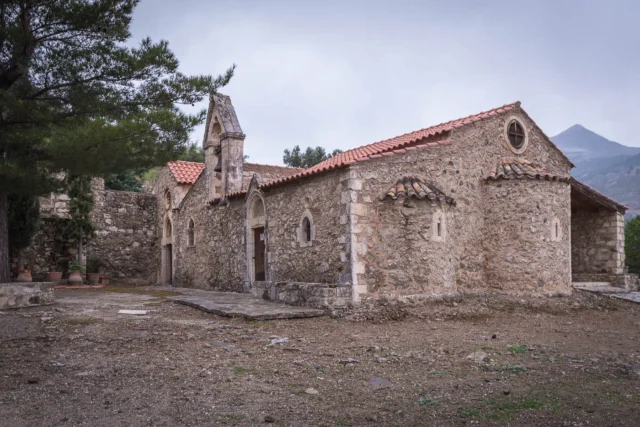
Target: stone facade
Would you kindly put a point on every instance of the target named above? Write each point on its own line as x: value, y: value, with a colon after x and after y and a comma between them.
x: 499, y: 217
x: 465, y: 206
x: 522, y: 253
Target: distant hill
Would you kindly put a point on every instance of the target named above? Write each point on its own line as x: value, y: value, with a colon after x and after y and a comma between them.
x: 607, y: 166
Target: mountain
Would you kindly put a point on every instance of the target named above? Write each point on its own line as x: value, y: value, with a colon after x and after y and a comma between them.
x: 580, y: 144
x: 609, y: 167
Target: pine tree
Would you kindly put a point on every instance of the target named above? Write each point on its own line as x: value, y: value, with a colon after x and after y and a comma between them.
x: 311, y: 157
x: 76, y: 99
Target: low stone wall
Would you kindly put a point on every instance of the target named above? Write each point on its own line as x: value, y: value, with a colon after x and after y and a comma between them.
x: 319, y: 295
x: 18, y: 295
x: 627, y: 281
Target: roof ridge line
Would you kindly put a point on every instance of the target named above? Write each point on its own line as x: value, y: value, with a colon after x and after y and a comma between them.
x: 513, y: 104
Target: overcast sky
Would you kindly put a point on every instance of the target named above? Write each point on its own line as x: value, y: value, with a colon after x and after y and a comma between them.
x: 346, y: 73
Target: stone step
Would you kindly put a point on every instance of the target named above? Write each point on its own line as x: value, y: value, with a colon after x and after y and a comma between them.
x: 230, y: 304
x: 590, y: 284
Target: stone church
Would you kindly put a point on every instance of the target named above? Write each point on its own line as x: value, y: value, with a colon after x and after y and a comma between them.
x: 482, y: 203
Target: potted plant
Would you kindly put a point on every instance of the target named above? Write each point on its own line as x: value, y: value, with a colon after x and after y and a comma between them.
x: 54, y: 276
x: 93, y: 276
x: 75, y: 272
x: 24, y: 275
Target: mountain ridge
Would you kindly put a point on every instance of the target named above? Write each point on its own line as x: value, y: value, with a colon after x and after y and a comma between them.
x: 608, y: 166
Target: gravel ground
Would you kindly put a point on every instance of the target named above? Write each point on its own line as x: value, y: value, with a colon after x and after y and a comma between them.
x: 469, y: 361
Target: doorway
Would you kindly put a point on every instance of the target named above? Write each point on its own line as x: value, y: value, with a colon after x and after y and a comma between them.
x: 258, y: 239
x: 168, y: 278
x: 166, y: 272
x: 256, y: 242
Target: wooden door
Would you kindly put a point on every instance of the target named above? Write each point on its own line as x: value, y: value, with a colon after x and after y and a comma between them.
x: 258, y: 257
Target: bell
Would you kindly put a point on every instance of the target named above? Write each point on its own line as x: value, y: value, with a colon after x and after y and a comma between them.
x: 218, y: 167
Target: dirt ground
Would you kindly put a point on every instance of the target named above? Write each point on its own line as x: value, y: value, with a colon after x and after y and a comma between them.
x: 572, y: 361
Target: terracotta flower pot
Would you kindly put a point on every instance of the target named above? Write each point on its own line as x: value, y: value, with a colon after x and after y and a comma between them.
x: 93, y: 279
x: 104, y: 280
x: 24, y: 276
x: 54, y: 276
x: 75, y: 278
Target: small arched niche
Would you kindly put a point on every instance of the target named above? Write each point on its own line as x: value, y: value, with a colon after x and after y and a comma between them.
x: 439, y: 226
x: 191, y: 233
x: 556, y: 230
x: 306, y: 231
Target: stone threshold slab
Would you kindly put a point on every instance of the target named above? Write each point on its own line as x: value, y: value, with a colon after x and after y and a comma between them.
x: 611, y: 291
x: 246, y: 306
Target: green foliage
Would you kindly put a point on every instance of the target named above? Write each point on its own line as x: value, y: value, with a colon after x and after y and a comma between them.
x: 133, y: 179
x: 151, y: 175
x: 311, y: 156
x: 24, y: 220
x: 130, y: 180
x: 76, y: 97
x: 93, y: 265
x: 80, y: 226
x: 632, y: 244
x: 519, y: 349
x: 192, y: 153
x: 75, y: 266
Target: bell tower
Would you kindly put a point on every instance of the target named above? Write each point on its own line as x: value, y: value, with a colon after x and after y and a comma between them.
x: 223, y: 146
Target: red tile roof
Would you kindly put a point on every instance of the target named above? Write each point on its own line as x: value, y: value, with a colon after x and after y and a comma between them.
x: 397, y: 145
x: 512, y: 168
x: 416, y: 187
x: 185, y: 172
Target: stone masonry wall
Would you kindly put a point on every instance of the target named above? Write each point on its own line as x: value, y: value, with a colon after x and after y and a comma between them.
x: 598, y: 242
x: 325, y: 259
x: 50, y: 249
x: 404, y: 257
x: 217, y: 260
x: 459, y: 169
x: 522, y: 252
x: 125, y: 242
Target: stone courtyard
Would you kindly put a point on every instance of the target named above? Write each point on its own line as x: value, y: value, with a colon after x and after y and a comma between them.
x: 499, y: 360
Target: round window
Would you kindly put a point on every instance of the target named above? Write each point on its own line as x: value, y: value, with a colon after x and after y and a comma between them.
x: 516, y: 135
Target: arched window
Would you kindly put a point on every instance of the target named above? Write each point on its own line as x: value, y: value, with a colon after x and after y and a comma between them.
x: 191, y: 233
x: 556, y: 230
x: 306, y: 229
x: 439, y: 227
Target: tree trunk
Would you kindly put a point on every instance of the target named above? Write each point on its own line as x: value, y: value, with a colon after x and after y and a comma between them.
x: 4, y: 238
x: 80, y: 250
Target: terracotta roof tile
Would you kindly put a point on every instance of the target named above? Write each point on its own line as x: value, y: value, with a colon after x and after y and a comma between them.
x: 384, y: 147
x: 416, y: 187
x: 185, y: 172
x: 512, y: 168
